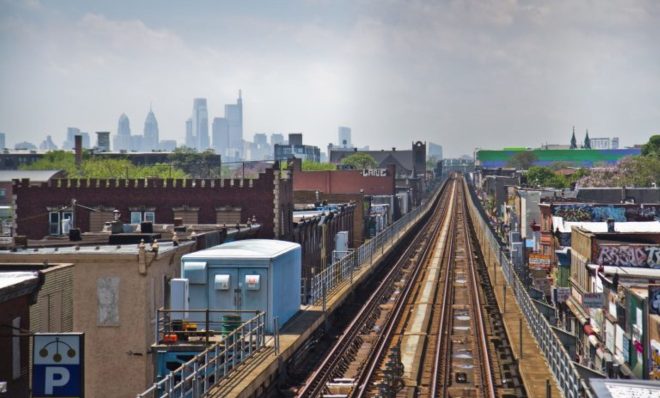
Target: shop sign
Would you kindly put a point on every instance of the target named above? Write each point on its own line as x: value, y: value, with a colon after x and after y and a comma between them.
x: 563, y: 293
x: 538, y: 260
x: 592, y: 300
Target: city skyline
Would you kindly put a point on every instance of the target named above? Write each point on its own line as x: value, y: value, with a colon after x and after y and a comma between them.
x: 450, y: 73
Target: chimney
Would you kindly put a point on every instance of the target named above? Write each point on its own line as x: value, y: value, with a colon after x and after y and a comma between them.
x: 610, y: 225
x: 78, y: 149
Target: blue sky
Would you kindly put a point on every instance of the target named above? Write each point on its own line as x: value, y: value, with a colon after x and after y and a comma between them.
x: 464, y: 74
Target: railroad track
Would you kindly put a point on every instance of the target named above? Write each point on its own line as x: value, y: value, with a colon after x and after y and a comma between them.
x: 424, y: 331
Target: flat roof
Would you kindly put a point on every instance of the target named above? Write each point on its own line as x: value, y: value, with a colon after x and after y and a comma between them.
x: 11, y: 278
x: 248, y: 248
x: 622, y: 388
x: 163, y: 247
x: 632, y: 272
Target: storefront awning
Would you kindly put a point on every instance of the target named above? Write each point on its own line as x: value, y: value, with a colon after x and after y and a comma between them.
x: 577, y: 310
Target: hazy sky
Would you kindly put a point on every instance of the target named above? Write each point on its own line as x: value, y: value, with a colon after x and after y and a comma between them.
x: 463, y: 74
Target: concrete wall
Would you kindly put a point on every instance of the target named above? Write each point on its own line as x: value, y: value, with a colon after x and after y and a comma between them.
x: 268, y: 198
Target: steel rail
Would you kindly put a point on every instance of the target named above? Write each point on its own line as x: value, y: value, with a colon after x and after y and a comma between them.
x: 444, y: 326
x: 383, y: 339
x: 487, y: 371
x: 316, y: 382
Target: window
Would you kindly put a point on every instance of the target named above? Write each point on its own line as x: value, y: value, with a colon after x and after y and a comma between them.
x: 140, y: 216
x: 3, y: 192
x: 59, y: 222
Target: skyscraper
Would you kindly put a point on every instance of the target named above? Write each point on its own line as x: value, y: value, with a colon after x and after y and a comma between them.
x: 103, y: 141
x: 2, y: 141
x: 220, y: 132
x: 150, y: 140
x: 71, y: 132
x: 344, y: 134
x: 200, y: 124
x: 190, y: 138
x: 276, y: 138
x: 234, y: 116
x: 123, y: 137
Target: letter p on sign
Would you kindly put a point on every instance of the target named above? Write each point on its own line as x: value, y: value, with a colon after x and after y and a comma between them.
x: 56, y: 377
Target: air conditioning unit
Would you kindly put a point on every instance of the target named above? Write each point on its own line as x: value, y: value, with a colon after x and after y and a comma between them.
x: 179, y: 297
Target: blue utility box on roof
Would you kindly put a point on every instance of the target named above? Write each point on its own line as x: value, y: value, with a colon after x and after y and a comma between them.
x: 246, y: 275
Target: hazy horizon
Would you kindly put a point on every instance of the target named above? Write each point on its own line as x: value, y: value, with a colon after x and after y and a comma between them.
x: 460, y: 74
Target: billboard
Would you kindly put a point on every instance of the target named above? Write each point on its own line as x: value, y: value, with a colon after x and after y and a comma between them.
x: 58, y: 365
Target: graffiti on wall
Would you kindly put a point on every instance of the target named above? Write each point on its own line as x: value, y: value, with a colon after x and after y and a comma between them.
x: 587, y: 212
x: 629, y: 255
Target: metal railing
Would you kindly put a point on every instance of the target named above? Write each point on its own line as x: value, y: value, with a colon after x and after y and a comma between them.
x: 196, y: 377
x: 332, y: 277
x: 199, y: 324
x: 560, y: 362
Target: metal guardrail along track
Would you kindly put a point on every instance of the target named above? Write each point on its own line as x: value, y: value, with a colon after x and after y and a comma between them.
x: 316, y: 383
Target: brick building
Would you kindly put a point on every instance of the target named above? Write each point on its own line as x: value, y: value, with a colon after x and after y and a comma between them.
x: 41, y: 209
x: 372, y: 182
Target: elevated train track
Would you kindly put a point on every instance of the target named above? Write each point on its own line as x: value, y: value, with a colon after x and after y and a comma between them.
x: 430, y: 329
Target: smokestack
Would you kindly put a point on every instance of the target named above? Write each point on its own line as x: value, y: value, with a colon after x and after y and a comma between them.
x: 78, y: 149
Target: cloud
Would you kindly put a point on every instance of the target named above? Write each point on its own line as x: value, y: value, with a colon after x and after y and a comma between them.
x: 460, y: 73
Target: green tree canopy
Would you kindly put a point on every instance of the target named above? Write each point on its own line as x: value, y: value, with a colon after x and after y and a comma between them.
x: 195, y: 164
x: 308, y: 165
x: 652, y: 148
x: 360, y: 161
x: 93, y: 167
x: 545, y: 177
x: 522, y: 160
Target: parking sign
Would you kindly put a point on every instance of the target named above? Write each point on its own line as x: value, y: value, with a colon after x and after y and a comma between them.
x: 57, y: 365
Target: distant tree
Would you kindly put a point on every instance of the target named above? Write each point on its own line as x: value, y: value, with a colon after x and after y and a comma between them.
x: 360, y: 161
x: 54, y: 160
x: 194, y: 164
x: 308, y: 165
x: 573, y: 140
x: 545, y: 177
x: 561, y: 165
x: 652, y: 148
x: 522, y: 160
x: 98, y: 167
x: 633, y: 171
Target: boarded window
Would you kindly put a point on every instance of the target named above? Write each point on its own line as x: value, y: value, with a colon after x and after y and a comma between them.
x: 97, y: 219
x: 228, y: 215
x: 107, y: 293
x: 188, y: 215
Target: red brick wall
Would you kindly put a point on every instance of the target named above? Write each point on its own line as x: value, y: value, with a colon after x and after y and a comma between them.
x: 162, y: 194
x: 343, y: 181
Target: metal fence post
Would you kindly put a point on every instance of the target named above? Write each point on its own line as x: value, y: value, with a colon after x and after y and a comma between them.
x: 520, y: 330
x: 276, y: 329
x: 504, y: 295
